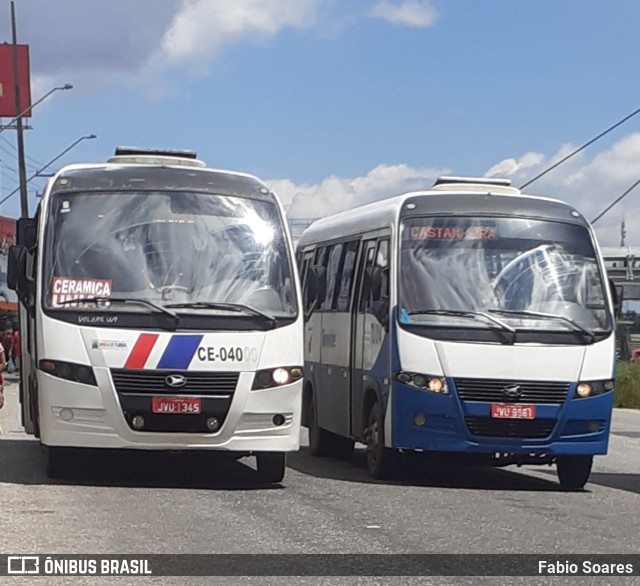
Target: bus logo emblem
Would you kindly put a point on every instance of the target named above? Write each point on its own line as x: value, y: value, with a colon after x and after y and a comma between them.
x: 175, y: 380
x: 512, y: 391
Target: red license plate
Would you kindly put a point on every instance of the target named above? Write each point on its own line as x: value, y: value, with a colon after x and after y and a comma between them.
x: 501, y: 411
x: 176, y: 405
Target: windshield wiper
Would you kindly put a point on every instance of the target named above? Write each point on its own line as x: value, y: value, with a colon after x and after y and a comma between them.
x: 239, y: 307
x: 174, y: 316
x: 473, y: 315
x: 551, y: 316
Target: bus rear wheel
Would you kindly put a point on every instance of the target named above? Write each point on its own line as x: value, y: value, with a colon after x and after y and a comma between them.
x: 381, y: 461
x: 574, y: 471
x: 271, y: 466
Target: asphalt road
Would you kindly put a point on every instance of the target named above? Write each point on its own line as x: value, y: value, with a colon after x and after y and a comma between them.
x: 154, y: 503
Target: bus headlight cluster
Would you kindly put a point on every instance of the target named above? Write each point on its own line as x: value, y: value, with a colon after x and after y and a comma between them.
x: 593, y: 388
x: 424, y: 382
x: 79, y: 373
x: 276, y: 377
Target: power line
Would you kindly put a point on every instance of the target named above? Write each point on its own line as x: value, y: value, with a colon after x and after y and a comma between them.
x: 44, y: 167
x: 8, y: 143
x: 66, y: 86
x: 9, y: 177
x: 4, y: 162
x: 627, y: 192
x: 584, y: 146
x: 12, y: 155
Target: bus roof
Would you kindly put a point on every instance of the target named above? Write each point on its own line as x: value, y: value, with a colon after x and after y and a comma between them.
x: 156, y: 173
x: 451, y: 197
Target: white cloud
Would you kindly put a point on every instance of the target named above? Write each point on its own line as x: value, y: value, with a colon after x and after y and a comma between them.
x: 336, y: 194
x: 123, y: 42
x: 588, y: 183
x: 414, y: 13
x: 509, y: 167
x: 108, y: 37
x: 202, y: 27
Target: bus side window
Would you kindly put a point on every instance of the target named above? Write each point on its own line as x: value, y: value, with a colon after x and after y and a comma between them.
x: 312, y: 260
x: 346, y: 272
x: 305, y: 267
x: 332, y: 264
x: 365, y: 287
x: 304, y: 263
x: 379, y: 290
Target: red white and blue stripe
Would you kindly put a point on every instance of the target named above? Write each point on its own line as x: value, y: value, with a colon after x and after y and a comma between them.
x: 177, y: 355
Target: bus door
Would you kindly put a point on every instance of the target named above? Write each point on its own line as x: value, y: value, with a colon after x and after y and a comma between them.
x: 335, y: 339
x: 26, y: 235
x: 370, y: 356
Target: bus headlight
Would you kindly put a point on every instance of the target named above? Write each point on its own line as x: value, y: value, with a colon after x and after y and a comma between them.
x: 276, y: 377
x: 280, y: 376
x: 78, y: 373
x: 593, y: 388
x: 424, y: 382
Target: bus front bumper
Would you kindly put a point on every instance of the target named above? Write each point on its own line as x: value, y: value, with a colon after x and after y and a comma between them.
x: 74, y: 415
x: 441, y: 423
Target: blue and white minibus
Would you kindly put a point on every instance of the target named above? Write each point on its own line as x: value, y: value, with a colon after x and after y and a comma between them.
x: 469, y: 319
x: 160, y: 311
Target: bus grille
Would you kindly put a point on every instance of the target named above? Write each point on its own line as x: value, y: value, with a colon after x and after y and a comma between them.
x: 517, y: 428
x: 493, y: 391
x: 135, y: 389
x: 152, y: 382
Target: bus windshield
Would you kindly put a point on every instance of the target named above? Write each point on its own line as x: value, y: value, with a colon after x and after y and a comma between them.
x: 179, y: 249
x: 524, y: 272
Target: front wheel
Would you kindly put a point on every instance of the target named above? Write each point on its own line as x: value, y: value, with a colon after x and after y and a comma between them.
x: 573, y: 471
x: 271, y: 466
x: 381, y: 461
x: 56, y: 462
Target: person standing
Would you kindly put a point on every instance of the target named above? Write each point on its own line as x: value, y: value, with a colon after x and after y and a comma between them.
x: 7, y: 339
x: 3, y: 365
x: 15, y: 347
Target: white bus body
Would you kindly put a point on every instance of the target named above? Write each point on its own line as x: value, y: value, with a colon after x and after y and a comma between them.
x: 160, y: 311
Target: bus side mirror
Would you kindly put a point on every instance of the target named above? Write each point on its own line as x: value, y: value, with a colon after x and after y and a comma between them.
x: 617, y: 294
x: 17, y: 268
x: 26, y: 232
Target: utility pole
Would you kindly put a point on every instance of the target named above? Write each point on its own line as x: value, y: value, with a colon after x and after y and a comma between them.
x: 22, y: 169
x: 623, y: 233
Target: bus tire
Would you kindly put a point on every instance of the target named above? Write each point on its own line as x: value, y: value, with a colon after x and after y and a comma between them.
x: 34, y: 407
x: 320, y: 440
x: 381, y: 461
x: 342, y: 447
x: 573, y: 471
x: 271, y: 466
x: 56, y: 462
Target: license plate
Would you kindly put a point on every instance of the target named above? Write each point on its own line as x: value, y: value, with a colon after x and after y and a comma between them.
x: 176, y: 405
x: 500, y: 411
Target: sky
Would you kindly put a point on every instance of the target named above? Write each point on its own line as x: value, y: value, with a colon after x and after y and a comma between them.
x: 336, y: 103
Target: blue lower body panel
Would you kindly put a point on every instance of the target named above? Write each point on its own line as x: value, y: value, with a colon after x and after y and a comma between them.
x: 442, y: 423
